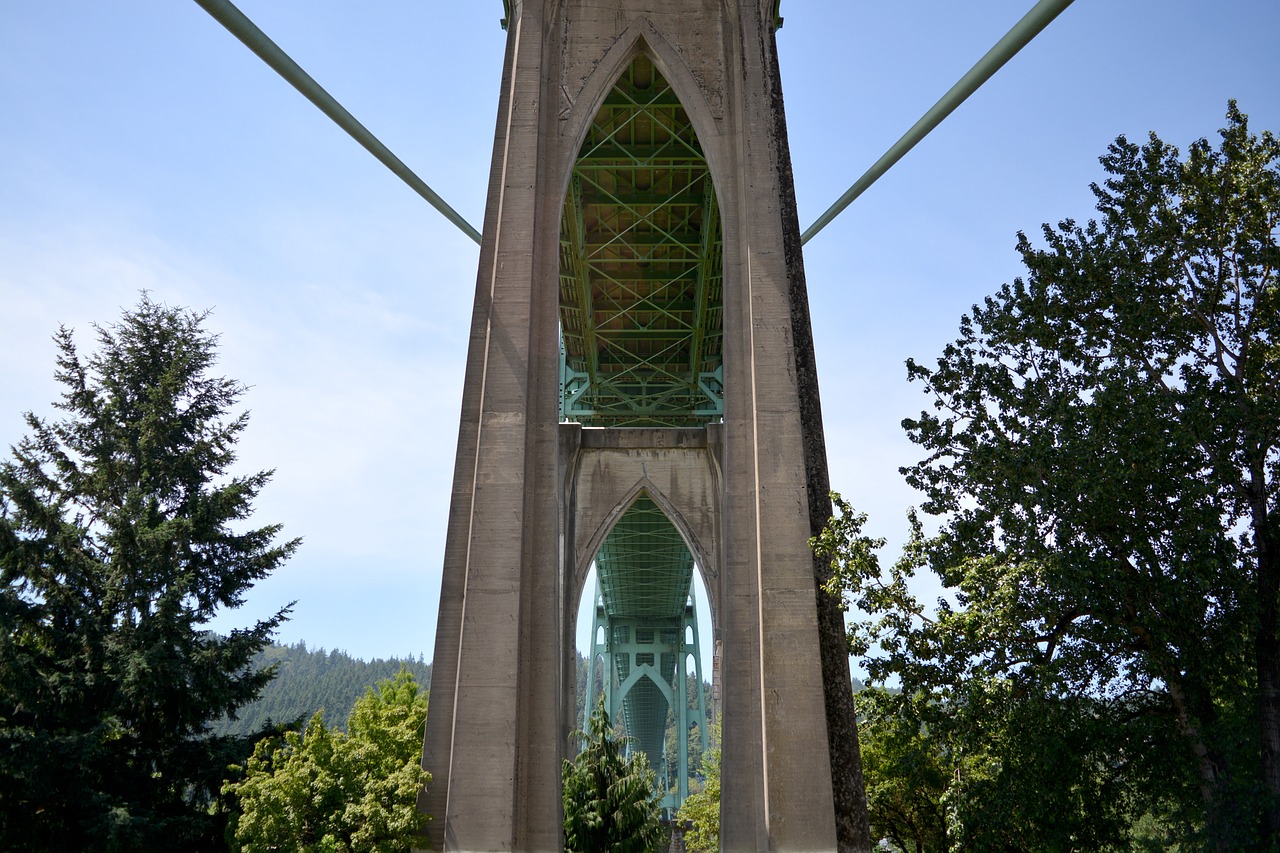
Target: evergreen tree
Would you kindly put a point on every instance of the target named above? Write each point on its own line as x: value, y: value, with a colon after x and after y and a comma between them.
x: 307, y: 680
x: 323, y: 790
x: 121, y: 534
x: 609, y: 799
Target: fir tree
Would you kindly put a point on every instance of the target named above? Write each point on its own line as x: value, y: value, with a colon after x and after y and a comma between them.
x: 121, y: 535
x: 609, y: 799
x: 307, y: 680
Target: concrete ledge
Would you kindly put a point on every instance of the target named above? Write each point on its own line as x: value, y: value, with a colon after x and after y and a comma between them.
x: 638, y: 438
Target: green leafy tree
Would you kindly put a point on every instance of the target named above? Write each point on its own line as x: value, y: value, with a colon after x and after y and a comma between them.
x: 609, y: 799
x: 907, y: 769
x: 981, y: 749
x: 700, y: 811
x: 121, y: 535
x: 325, y: 791
x: 1105, y: 452
x: 1108, y: 445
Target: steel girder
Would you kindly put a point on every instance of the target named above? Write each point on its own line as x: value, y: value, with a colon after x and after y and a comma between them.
x: 640, y: 266
x: 645, y: 629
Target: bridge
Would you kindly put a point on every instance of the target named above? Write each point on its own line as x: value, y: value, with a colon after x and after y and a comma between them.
x: 641, y: 271
x: 640, y: 397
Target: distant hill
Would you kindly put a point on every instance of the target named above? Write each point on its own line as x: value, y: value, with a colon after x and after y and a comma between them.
x: 310, y: 679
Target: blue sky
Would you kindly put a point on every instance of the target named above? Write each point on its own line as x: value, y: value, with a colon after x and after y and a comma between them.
x: 141, y: 146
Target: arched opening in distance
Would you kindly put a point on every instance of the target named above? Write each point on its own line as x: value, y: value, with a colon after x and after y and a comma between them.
x: 641, y: 329
x: 643, y: 648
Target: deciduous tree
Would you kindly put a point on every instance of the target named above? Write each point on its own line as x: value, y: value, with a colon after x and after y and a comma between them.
x: 981, y: 750
x: 1112, y: 425
x: 701, y: 810
x: 323, y: 791
x: 1105, y: 453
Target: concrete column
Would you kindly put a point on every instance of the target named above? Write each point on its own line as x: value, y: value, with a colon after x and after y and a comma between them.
x: 492, y: 741
x: 532, y: 499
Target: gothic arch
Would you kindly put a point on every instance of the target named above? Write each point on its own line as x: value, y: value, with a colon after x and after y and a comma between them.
x: 585, y: 554
x: 640, y: 36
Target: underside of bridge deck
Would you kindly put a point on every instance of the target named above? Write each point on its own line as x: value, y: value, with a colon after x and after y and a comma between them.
x: 641, y: 332
x: 640, y: 266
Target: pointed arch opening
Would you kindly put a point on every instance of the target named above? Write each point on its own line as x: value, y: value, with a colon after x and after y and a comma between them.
x: 645, y: 644
x: 641, y: 265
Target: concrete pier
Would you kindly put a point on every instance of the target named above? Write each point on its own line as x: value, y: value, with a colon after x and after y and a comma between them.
x: 534, y: 496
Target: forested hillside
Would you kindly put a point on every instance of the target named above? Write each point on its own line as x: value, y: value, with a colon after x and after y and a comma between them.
x: 308, y: 680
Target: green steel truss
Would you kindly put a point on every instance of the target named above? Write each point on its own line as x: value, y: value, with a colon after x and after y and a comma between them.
x: 641, y: 266
x: 640, y: 340
x: 645, y: 629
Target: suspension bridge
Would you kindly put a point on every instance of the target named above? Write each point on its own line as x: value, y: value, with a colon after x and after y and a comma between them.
x: 640, y: 399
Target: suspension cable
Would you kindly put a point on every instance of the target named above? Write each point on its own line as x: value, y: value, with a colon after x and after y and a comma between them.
x: 1017, y: 38
x: 256, y: 40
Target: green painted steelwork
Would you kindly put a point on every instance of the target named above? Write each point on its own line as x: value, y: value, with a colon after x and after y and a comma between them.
x: 643, y: 565
x: 269, y: 52
x: 641, y: 260
x: 644, y: 633
x: 1040, y: 16
x: 640, y: 266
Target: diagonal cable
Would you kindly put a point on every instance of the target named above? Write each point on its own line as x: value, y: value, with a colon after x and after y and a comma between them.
x: 269, y: 52
x: 1040, y: 16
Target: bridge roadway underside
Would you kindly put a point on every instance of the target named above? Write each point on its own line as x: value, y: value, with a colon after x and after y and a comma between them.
x: 641, y: 314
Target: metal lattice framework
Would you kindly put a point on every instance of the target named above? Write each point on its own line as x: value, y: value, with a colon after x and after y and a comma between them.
x: 644, y: 566
x: 645, y: 629
x: 641, y: 266
x: 641, y: 334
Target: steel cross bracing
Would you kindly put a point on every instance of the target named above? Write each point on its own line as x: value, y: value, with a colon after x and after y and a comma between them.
x: 640, y: 266
x: 644, y: 632
x: 640, y: 333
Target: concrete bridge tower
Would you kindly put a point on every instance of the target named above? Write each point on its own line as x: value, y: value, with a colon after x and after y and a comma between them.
x: 640, y: 395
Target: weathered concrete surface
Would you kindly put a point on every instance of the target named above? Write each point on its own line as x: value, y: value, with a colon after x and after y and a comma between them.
x: 853, y: 828
x: 531, y: 496
x: 606, y: 469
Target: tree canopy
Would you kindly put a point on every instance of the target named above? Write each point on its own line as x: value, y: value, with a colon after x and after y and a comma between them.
x: 308, y: 679
x: 701, y: 809
x: 323, y: 791
x: 122, y: 533
x: 1104, y: 451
